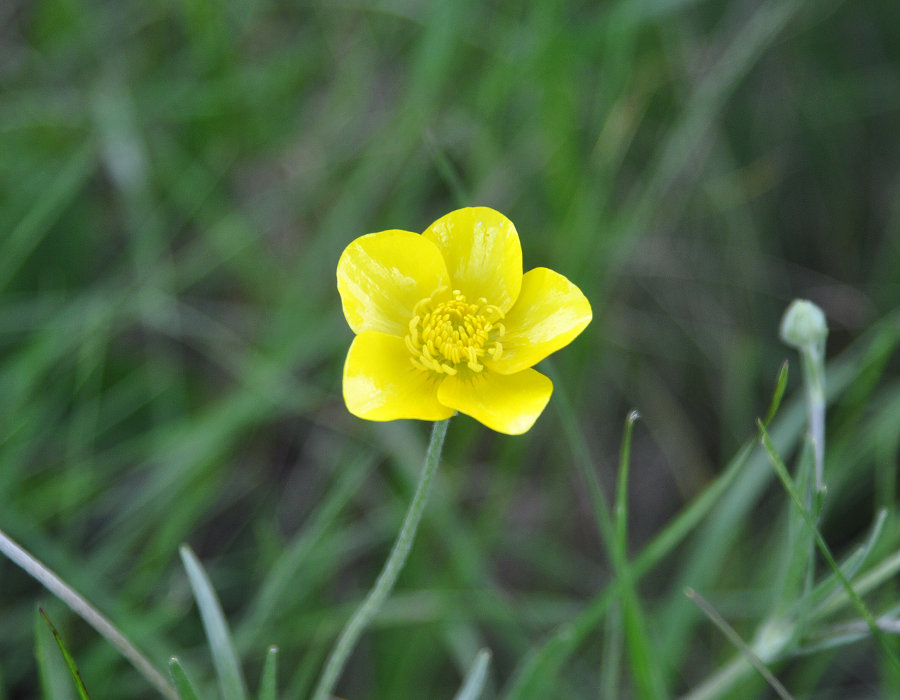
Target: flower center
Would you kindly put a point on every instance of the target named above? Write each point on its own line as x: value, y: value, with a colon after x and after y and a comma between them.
x: 447, y: 331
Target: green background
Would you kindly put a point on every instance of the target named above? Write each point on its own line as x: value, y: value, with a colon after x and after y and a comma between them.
x: 177, y: 182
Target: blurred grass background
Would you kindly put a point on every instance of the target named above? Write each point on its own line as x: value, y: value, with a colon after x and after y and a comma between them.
x: 177, y: 181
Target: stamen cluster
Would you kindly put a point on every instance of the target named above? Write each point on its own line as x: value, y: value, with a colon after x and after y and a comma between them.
x: 447, y: 332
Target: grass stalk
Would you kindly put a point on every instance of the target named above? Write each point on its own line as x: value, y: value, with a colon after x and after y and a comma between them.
x: 81, y: 607
x: 746, y: 651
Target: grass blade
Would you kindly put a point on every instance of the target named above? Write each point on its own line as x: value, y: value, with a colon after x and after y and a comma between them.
x: 268, y: 686
x: 182, y: 683
x: 825, y: 590
x: 81, y: 607
x: 778, y: 394
x: 884, y: 571
x: 54, y: 682
x: 228, y: 669
x: 473, y: 685
x: 612, y: 653
x: 70, y: 662
x: 808, y: 518
x: 538, y: 669
x: 646, y: 670
x: 735, y: 639
x: 621, y: 506
x: 612, y: 528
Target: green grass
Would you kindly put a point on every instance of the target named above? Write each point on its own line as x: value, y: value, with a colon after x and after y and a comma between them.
x: 177, y: 181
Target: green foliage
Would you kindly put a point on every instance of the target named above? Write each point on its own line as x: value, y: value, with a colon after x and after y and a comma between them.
x: 177, y: 181
x: 74, y: 674
x: 473, y: 685
x: 183, y: 685
x: 221, y: 646
x: 268, y: 685
x: 53, y: 669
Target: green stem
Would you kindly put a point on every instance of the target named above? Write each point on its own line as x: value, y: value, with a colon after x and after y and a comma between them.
x: 813, y: 359
x: 392, y: 567
x: 813, y: 355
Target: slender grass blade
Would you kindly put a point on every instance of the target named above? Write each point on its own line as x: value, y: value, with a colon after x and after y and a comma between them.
x: 231, y: 680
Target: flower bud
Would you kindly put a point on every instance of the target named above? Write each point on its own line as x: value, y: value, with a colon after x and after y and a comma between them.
x: 803, y: 324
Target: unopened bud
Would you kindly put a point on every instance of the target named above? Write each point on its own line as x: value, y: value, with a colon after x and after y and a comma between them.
x: 803, y: 324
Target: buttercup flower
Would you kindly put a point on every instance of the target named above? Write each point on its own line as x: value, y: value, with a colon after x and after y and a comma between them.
x: 445, y: 321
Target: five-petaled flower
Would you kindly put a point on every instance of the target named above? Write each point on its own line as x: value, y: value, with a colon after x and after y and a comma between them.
x: 445, y: 321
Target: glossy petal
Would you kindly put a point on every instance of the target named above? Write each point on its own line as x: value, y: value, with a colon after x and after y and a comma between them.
x: 549, y: 313
x: 505, y: 403
x: 482, y: 252
x: 380, y: 383
x: 381, y: 277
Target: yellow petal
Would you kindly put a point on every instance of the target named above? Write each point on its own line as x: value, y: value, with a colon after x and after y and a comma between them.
x: 380, y: 382
x: 505, y: 403
x: 549, y: 313
x: 381, y: 277
x: 482, y: 252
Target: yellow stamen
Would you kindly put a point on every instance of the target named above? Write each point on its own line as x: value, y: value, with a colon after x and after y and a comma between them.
x: 447, y: 332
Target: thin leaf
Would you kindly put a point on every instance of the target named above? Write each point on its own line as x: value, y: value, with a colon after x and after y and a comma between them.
x: 81, y: 607
x: 610, y: 668
x: 735, y: 639
x: 646, y: 671
x: 182, y: 683
x: 228, y: 669
x: 808, y: 518
x: 268, y: 686
x: 70, y: 662
x: 621, y: 505
x: 847, y: 633
x: 883, y: 571
x: 780, y: 385
x: 613, y: 636
x: 825, y: 591
x: 473, y: 685
x: 538, y: 668
x: 53, y: 675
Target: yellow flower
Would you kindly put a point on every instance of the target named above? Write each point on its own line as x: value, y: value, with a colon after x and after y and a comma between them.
x: 445, y: 321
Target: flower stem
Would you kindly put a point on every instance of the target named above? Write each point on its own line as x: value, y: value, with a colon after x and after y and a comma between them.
x: 813, y: 359
x: 813, y: 355
x: 392, y: 567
